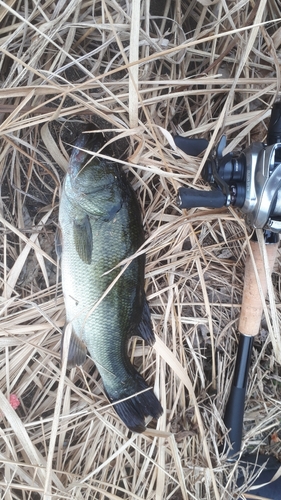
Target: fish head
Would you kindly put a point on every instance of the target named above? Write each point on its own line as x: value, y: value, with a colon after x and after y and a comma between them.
x: 91, y: 181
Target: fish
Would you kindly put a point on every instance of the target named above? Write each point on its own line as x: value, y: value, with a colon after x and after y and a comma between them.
x: 101, y: 226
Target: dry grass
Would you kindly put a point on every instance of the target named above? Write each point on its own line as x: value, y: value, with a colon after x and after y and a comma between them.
x: 200, y: 70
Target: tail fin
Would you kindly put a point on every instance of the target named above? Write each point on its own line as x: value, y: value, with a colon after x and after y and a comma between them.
x: 136, y: 403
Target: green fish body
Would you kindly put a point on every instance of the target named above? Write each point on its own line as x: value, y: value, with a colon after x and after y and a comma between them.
x: 101, y: 226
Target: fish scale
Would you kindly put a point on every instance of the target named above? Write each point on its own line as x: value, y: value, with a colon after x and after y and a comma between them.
x: 101, y: 226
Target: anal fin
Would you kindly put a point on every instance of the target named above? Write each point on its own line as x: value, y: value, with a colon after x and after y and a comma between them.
x: 58, y: 242
x: 77, y: 351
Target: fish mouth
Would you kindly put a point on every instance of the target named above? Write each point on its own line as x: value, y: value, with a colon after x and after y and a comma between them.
x: 84, y: 149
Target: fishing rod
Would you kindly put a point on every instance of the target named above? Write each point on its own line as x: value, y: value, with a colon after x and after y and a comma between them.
x: 250, y: 181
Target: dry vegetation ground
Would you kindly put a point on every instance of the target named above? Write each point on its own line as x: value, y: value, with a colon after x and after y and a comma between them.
x: 195, y: 67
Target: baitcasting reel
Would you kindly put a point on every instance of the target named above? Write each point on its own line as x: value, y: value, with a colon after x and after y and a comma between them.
x: 250, y: 181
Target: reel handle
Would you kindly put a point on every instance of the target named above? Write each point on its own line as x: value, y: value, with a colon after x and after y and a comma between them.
x: 193, y: 198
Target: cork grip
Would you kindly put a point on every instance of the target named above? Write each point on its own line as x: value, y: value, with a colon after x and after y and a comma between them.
x: 251, y: 311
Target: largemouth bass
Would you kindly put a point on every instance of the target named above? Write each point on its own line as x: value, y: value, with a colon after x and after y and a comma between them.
x: 101, y: 226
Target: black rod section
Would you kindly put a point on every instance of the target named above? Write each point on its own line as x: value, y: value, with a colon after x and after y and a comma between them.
x: 234, y: 411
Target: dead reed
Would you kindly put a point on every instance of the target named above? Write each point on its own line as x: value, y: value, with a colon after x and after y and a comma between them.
x: 142, y: 71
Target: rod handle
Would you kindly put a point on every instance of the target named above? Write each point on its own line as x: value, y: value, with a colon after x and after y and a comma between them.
x: 251, y: 310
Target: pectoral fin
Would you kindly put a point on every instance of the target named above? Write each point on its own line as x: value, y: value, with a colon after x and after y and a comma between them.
x: 77, y: 351
x: 145, y: 326
x: 83, y: 238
